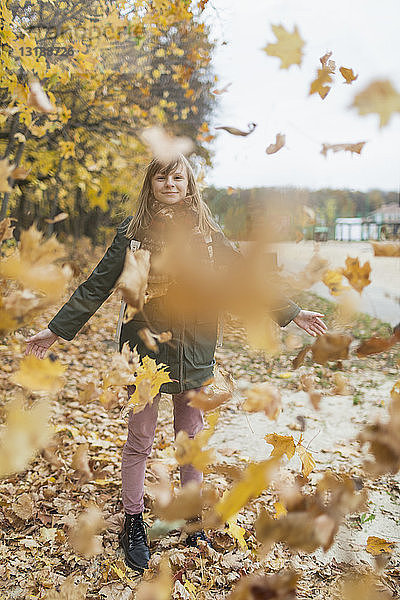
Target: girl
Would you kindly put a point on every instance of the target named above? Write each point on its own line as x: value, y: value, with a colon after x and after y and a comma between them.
x: 171, y: 220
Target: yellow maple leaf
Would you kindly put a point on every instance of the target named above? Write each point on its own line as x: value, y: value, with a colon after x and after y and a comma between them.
x: 348, y: 74
x: 254, y: 481
x: 150, y: 377
x: 357, y: 275
x: 333, y: 280
x: 379, y: 97
x: 39, y: 374
x: 289, y: 46
x: 376, y: 546
x: 283, y: 444
x: 308, y: 463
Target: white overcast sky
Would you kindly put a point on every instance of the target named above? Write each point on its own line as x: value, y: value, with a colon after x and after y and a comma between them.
x: 362, y: 34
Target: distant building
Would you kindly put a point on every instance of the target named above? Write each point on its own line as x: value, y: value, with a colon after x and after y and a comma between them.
x: 381, y: 224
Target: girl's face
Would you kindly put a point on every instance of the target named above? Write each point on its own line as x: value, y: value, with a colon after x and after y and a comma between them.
x: 170, y: 188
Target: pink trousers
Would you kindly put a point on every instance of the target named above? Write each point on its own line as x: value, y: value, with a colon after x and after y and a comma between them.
x: 141, y: 431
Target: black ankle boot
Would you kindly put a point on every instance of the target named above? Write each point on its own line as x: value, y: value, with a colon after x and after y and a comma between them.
x: 133, y: 540
x: 197, y: 536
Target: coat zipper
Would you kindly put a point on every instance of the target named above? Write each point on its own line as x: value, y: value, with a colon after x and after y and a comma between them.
x: 181, y: 358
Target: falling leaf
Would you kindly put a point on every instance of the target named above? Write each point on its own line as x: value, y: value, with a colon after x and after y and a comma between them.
x: 263, y: 397
x: 5, y: 172
x: 327, y: 63
x: 308, y: 215
x: 235, y: 131
x: 160, y: 588
x: 84, y: 535
x: 279, y: 143
x: 289, y: 46
x: 333, y: 280
x: 237, y: 532
x: 222, y: 90
x: 280, y: 510
x: 348, y: 74
x: 321, y: 84
x: 331, y: 346
x: 150, y: 377
x: 24, y: 434
x: 308, y: 385
x: 308, y: 463
x: 58, y: 218
x: 230, y: 190
x: 299, y: 359
x: 38, y: 99
x: 386, y: 248
x: 133, y: 280
x: 255, y: 479
x: 357, y: 275
x: 6, y: 229
x: 150, y: 339
x: 20, y: 173
x: 165, y: 147
x: 68, y: 590
x: 191, y: 451
x: 39, y: 374
x: 80, y: 463
x: 283, y: 444
x: 353, y: 148
x: 377, y: 546
x: 376, y: 344
x: 379, y: 97
x: 281, y: 586
x: 207, y: 399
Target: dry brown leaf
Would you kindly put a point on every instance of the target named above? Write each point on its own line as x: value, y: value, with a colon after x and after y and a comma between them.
x: 357, y: 275
x: 378, y: 97
x: 24, y: 507
x: 68, y: 590
x: 299, y: 359
x: 150, y: 339
x: 386, y: 248
x: 84, y: 535
x: 279, y: 143
x: 288, y: 47
x: 263, y: 397
x: 377, y: 546
x: 37, y: 98
x: 58, y: 218
x: 20, y: 173
x: 331, y: 346
x: 80, y: 463
x: 356, y: 148
x: 5, y: 172
x: 207, y: 399
x: 124, y: 366
x: 240, y: 132
x: 342, y: 387
x: 89, y: 393
x: 133, y: 280
x: 307, y: 384
x: 6, y: 229
x: 376, y: 344
x: 281, y: 586
x: 191, y: 452
x: 165, y: 147
x: 223, y: 90
x: 348, y: 75
x: 160, y: 588
x: 321, y: 84
x: 327, y: 63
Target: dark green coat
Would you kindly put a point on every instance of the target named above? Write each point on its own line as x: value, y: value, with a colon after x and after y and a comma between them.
x: 190, y: 353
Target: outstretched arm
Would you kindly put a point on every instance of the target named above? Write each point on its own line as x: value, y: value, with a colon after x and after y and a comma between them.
x: 311, y: 322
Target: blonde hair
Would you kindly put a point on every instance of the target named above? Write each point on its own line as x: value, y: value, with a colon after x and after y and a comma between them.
x: 142, y: 217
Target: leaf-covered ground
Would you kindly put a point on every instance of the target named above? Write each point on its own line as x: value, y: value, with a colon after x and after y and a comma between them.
x: 41, y: 505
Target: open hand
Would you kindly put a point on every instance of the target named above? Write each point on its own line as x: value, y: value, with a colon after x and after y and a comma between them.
x: 311, y: 323
x: 39, y: 343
